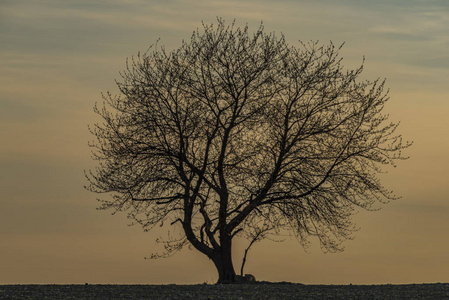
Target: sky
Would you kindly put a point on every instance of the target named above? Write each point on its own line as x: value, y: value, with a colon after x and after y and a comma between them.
x: 56, y: 57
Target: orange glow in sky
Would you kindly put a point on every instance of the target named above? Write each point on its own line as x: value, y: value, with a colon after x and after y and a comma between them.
x: 58, y: 56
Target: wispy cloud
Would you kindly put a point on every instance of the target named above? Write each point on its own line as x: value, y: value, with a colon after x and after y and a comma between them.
x: 57, y: 56
x: 421, y: 25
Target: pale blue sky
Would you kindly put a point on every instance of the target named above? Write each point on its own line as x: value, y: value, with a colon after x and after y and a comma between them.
x: 56, y: 57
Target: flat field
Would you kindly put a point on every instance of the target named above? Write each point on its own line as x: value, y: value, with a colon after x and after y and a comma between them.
x: 231, y: 291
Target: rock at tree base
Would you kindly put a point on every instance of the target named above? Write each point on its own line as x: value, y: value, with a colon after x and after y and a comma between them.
x: 244, y: 279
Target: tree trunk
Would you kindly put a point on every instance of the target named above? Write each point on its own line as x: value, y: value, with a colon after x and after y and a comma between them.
x: 223, y: 262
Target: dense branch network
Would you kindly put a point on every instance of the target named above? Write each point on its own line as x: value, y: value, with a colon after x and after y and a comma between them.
x: 235, y: 131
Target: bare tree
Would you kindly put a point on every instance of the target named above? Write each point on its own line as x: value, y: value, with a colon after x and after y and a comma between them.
x: 239, y: 134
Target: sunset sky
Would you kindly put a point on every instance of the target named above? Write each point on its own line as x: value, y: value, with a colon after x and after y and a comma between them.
x: 56, y: 57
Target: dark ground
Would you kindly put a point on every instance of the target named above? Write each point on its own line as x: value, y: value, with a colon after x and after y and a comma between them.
x: 233, y: 291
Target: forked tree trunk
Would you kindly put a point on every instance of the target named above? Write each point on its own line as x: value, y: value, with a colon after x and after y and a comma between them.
x: 223, y: 263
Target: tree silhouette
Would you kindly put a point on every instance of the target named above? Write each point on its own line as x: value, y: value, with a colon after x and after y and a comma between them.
x: 239, y: 134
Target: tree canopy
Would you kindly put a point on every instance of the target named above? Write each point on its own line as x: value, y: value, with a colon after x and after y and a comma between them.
x: 240, y: 134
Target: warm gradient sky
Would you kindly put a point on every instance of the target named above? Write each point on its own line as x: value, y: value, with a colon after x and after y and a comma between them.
x: 56, y: 57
